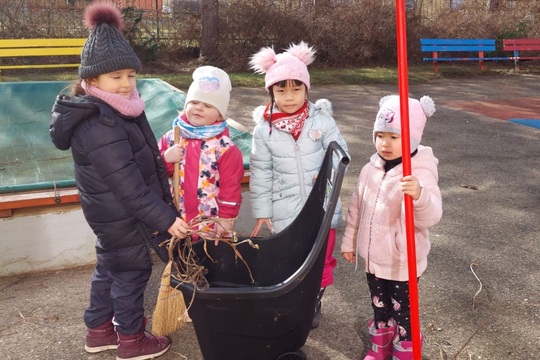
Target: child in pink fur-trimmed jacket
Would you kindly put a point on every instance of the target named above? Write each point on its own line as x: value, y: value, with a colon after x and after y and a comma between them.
x: 375, y: 227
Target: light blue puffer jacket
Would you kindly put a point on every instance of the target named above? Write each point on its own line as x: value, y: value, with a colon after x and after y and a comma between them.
x: 283, y: 171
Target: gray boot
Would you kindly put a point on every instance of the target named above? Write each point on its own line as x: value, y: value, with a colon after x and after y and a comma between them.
x: 317, y: 313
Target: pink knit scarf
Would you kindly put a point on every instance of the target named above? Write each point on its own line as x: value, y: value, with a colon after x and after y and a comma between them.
x: 132, y: 107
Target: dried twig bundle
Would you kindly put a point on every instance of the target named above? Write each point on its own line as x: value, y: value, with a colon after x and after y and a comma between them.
x: 190, y: 271
x: 184, y: 266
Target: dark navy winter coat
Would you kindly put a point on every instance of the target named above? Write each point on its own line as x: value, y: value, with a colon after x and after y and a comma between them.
x: 120, y: 176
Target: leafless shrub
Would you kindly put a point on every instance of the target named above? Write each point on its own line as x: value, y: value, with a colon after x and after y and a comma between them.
x: 517, y: 20
x: 344, y: 32
x: 246, y: 26
x: 348, y: 34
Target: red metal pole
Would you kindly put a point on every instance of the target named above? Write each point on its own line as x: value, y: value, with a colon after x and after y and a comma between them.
x: 406, y: 156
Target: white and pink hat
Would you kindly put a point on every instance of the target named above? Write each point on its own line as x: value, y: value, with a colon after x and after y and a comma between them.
x: 289, y: 65
x: 211, y: 85
x: 389, y: 117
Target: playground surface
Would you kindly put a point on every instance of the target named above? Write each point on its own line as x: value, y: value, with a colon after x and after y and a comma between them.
x: 480, y: 296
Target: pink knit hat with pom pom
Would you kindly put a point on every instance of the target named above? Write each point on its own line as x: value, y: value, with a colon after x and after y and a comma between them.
x: 289, y: 65
x: 389, y: 117
x: 106, y: 49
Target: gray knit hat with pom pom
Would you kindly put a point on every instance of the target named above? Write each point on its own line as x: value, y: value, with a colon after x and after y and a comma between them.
x: 106, y: 49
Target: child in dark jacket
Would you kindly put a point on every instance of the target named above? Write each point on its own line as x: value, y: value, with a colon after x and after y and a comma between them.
x: 122, y: 185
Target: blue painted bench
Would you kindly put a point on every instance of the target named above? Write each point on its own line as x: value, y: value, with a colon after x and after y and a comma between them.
x: 438, y: 47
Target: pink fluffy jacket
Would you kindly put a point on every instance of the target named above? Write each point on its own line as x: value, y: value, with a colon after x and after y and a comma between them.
x: 375, y: 227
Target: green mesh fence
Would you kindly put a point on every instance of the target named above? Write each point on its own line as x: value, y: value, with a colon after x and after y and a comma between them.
x: 29, y: 160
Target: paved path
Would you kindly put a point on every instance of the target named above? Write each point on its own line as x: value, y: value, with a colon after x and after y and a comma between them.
x: 480, y: 296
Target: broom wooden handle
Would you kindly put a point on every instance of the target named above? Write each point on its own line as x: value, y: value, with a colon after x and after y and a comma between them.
x: 170, y: 311
x: 176, y: 173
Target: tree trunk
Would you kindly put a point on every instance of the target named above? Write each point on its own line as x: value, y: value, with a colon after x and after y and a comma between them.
x: 493, y: 5
x: 209, y: 29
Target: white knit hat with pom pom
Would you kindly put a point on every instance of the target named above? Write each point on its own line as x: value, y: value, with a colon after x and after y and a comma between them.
x: 289, y: 65
x: 389, y: 117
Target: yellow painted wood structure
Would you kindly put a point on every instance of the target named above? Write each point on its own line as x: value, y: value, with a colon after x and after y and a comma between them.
x: 14, y: 48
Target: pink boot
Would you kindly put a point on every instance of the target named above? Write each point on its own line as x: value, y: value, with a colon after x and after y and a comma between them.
x: 101, y: 338
x: 381, y: 342
x: 403, y: 350
x: 141, y: 346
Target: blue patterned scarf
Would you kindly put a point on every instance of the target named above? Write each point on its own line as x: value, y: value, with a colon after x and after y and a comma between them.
x: 198, y: 132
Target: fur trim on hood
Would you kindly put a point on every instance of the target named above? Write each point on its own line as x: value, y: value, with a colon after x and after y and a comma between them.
x: 322, y: 105
x: 325, y: 106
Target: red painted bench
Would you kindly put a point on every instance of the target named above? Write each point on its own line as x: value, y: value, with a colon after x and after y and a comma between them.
x: 517, y: 45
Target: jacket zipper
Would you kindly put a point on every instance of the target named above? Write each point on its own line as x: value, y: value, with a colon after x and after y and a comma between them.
x: 371, y: 223
x: 300, y: 172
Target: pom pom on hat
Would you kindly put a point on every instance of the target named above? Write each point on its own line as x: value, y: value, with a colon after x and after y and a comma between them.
x: 210, y: 85
x: 106, y: 50
x: 103, y: 13
x: 289, y: 65
x: 389, y: 117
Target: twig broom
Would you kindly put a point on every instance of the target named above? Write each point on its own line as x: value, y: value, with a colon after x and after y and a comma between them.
x: 169, y: 313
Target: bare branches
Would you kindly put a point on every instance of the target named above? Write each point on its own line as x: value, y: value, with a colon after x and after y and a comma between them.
x: 187, y: 268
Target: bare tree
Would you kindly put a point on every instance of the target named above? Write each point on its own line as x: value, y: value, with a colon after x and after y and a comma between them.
x: 209, y: 29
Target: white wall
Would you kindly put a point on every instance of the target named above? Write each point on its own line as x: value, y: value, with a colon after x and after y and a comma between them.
x: 56, y: 240
x: 45, y: 241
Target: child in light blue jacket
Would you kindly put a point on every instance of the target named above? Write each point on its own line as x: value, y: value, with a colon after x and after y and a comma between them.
x: 289, y: 144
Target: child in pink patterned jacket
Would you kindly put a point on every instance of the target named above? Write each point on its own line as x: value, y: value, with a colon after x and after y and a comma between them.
x: 375, y: 227
x: 210, y: 164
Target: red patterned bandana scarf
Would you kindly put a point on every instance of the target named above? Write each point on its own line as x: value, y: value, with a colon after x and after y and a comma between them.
x: 291, y: 123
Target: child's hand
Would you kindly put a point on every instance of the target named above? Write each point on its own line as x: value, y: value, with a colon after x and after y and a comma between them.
x: 259, y: 224
x: 411, y: 186
x: 223, y: 228
x: 179, y: 228
x: 349, y: 256
x: 174, y: 154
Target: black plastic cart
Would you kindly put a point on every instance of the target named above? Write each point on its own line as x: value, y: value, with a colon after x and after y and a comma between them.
x: 270, y: 319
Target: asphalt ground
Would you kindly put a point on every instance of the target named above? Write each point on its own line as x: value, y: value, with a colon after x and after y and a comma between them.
x: 480, y: 296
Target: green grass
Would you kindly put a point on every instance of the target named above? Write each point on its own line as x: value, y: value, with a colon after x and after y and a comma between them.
x: 342, y: 76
